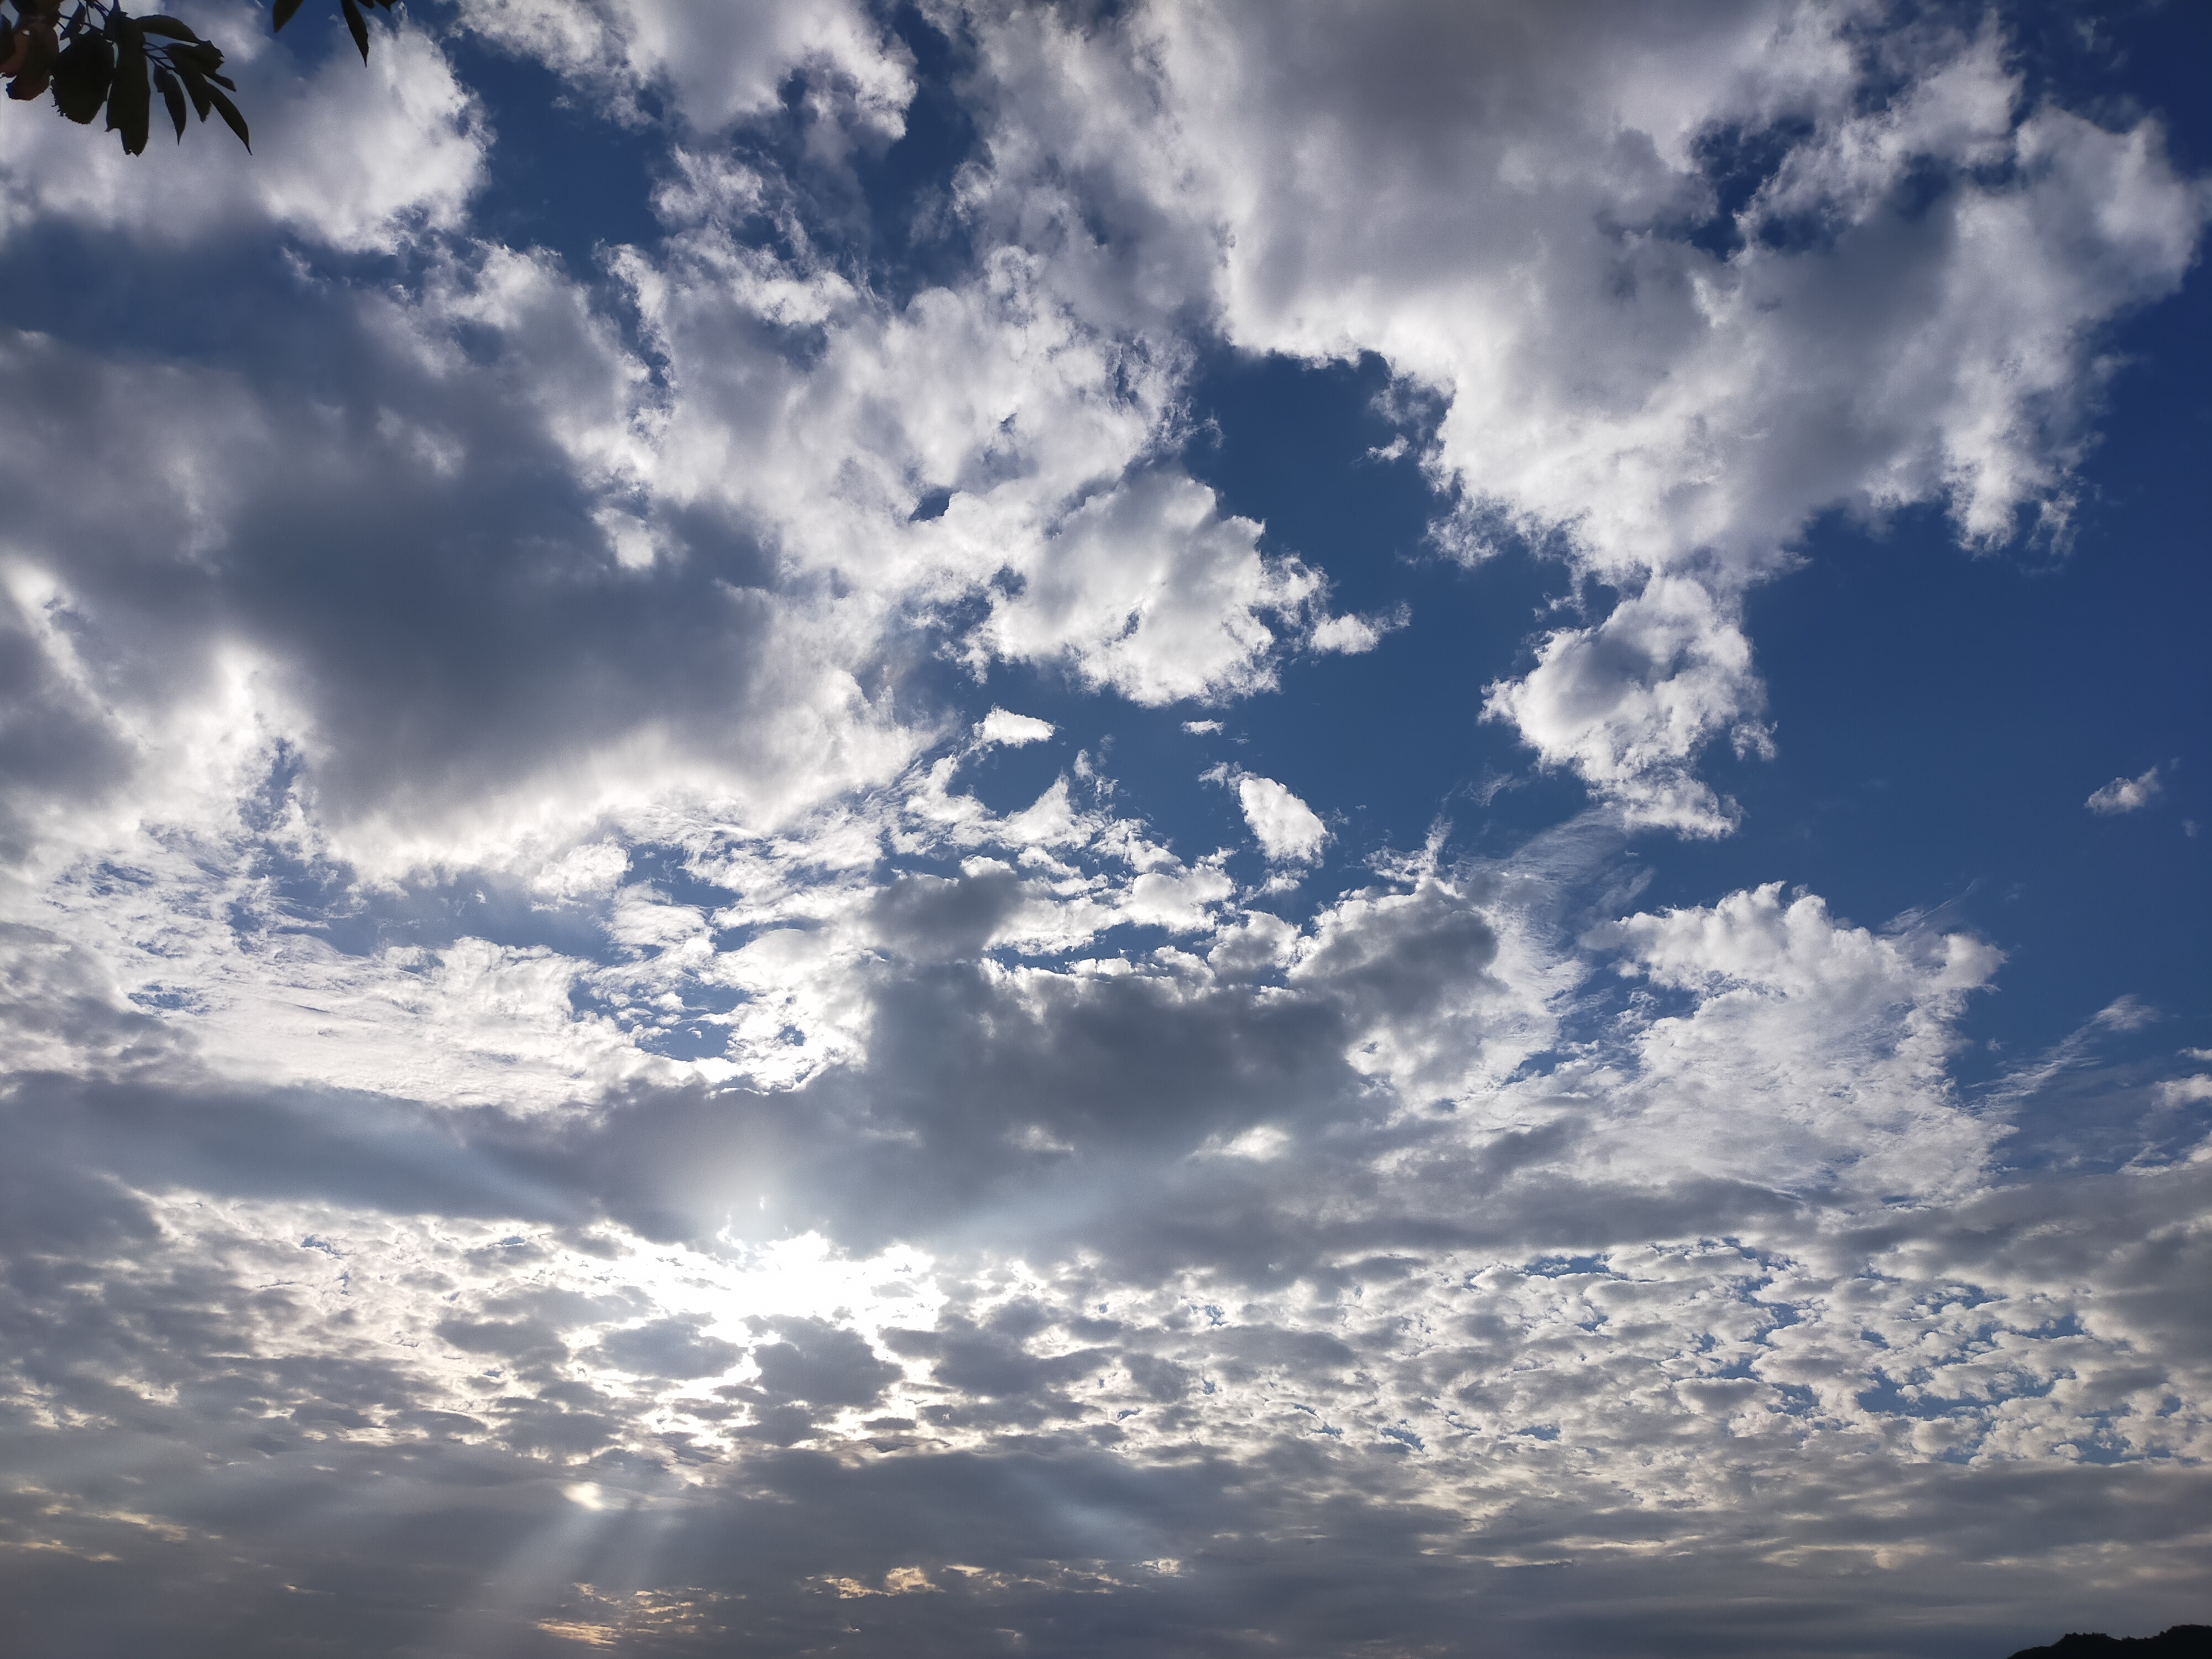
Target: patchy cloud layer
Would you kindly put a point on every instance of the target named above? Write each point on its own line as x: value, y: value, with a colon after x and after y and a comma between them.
x: 1683, y: 277
x: 606, y: 1047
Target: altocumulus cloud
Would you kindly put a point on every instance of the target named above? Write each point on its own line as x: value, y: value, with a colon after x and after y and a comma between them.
x: 583, y: 1070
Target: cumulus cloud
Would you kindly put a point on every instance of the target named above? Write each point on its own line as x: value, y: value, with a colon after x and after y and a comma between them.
x: 1836, y: 1040
x: 719, y: 65
x: 1288, y: 831
x: 1151, y: 592
x: 1013, y: 730
x: 1631, y: 703
x: 2126, y: 794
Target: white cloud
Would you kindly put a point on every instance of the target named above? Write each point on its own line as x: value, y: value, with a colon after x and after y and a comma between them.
x: 1262, y: 1143
x: 1036, y: 419
x: 1576, y: 1293
x: 1816, y: 1052
x: 2127, y: 1013
x: 2126, y: 794
x: 1629, y: 702
x: 1742, y: 1228
x: 1149, y: 591
x: 1353, y: 636
x: 593, y: 869
x: 1000, y: 726
x: 1288, y: 831
x: 721, y: 63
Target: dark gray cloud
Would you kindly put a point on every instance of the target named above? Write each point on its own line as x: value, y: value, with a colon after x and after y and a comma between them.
x: 670, y: 1347
x: 819, y: 1363
x: 929, y: 918
x: 497, y: 1550
x: 410, y: 548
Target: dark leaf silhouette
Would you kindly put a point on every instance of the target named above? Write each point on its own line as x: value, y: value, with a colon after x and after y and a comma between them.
x: 173, y: 95
x: 82, y: 76
x: 100, y: 57
x: 357, y: 26
x: 196, y: 85
x: 231, y: 118
x: 130, y: 104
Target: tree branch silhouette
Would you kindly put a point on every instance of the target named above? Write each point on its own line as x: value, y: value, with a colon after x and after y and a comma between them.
x: 100, y: 57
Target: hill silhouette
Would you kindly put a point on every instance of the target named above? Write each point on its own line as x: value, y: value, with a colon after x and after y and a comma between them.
x: 2182, y: 1641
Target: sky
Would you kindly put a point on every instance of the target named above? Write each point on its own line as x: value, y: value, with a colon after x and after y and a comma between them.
x: 1177, y: 828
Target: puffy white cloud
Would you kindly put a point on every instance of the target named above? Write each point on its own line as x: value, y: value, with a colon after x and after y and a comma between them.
x: 1002, y: 727
x: 2126, y: 794
x: 1441, y: 995
x: 1629, y: 702
x: 720, y: 63
x: 1815, y: 1053
x: 1151, y: 592
x: 1288, y: 831
x: 1354, y: 636
x: 594, y: 867
x: 1030, y: 425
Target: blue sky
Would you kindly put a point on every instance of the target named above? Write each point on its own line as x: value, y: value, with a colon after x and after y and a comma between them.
x: 1157, y: 828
